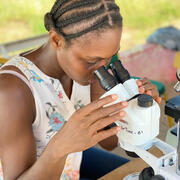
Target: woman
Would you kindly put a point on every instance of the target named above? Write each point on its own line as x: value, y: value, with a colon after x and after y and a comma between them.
x: 46, y: 118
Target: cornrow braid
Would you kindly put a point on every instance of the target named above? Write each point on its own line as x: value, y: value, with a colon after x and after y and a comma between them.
x: 74, y: 18
x: 58, y: 5
x: 79, y: 17
x: 75, y: 5
x: 100, y: 23
x: 113, y: 7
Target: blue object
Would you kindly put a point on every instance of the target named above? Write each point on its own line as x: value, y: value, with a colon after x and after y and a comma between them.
x: 96, y: 163
x: 169, y: 37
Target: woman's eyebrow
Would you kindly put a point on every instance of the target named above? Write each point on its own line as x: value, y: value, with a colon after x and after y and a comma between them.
x: 99, y: 58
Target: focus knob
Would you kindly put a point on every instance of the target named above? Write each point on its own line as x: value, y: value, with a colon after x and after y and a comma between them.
x: 145, y: 100
x: 157, y: 177
x: 147, y: 174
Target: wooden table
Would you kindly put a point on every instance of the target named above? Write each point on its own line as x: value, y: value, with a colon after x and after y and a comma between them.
x: 136, y: 165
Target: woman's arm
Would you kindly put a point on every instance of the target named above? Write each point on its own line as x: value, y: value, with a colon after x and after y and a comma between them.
x: 17, y: 144
x: 83, y: 130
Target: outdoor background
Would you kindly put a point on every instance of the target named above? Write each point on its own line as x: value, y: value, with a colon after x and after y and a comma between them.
x: 24, y: 18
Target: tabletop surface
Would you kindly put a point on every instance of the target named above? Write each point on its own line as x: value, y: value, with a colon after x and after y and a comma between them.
x: 136, y: 165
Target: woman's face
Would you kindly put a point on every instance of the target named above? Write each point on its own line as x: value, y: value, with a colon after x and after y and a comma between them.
x: 86, y: 55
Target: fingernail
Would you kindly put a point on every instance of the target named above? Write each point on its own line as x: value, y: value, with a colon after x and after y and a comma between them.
x: 114, y: 96
x: 122, y: 113
x: 143, y: 89
x: 125, y: 103
x: 118, y: 128
x: 123, y: 121
x: 159, y: 100
x: 139, y: 82
x: 149, y: 93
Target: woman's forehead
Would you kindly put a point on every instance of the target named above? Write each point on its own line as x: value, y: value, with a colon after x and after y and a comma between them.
x: 103, y: 44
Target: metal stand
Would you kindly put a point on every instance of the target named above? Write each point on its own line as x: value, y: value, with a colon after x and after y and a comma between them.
x: 178, y: 148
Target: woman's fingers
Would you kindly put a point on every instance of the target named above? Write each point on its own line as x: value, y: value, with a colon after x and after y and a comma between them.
x: 152, y: 92
x: 158, y: 100
x: 102, y: 123
x: 139, y: 83
x: 105, y: 111
x: 141, y: 90
x: 143, y: 81
x: 97, y: 104
x: 145, y: 86
x: 101, y: 135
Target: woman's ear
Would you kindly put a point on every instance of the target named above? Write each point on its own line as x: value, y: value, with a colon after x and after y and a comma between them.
x: 56, y: 40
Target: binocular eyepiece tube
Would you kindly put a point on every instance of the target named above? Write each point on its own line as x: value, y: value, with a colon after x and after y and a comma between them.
x: 108, y: 81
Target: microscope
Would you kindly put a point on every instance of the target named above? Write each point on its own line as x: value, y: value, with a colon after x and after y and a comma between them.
x: 140, y: 127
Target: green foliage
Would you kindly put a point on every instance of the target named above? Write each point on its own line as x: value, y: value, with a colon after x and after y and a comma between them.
x: 30, y: 12
x: 145, y: 13
x: 24, y: 18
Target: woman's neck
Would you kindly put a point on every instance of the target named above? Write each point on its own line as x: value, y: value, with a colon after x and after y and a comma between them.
x: 46, y: 60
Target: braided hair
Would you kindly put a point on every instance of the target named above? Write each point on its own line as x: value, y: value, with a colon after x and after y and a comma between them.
x: 74, y: 18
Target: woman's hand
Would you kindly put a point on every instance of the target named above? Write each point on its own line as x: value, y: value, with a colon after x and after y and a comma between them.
x: 84, y: 129
x: 145, y: 86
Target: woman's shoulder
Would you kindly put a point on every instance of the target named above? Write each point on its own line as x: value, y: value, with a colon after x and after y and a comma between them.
x: 14, y: 93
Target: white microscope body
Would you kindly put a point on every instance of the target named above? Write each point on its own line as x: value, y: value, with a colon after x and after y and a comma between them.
x: 140, y: 127
x: 141, y: 124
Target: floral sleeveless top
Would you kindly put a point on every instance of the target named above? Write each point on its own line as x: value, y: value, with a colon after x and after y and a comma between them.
x: 53, y: 109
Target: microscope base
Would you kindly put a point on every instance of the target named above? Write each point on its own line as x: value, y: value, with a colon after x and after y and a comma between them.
x: 134, y: 176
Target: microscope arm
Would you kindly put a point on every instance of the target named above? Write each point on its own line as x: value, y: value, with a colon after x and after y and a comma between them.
x: 164, y: 165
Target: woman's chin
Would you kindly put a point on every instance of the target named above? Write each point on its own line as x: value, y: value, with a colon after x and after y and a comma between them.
x: 86, y: 82
x: 83, y: 83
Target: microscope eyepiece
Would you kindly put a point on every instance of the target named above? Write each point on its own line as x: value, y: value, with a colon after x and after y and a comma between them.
x: 119, y: 72
x: 106, y: 80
